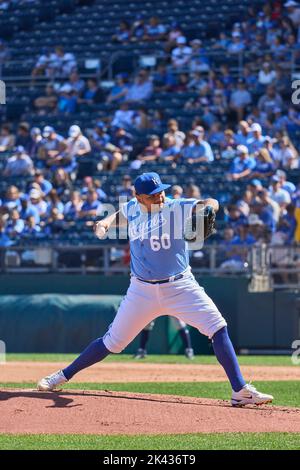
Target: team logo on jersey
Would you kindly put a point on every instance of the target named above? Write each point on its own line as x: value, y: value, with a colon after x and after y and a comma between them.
x: 140, y: 230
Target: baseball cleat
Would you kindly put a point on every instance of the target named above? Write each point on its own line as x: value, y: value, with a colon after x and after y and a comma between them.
x: 248, y: 395
x: 189, y: 353
x: 141, y: 354
x: 49, y: 383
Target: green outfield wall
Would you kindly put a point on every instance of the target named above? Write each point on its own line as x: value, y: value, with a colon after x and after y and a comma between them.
x: 62, y: 313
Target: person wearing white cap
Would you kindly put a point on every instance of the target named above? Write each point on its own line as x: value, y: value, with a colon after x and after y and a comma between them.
x: 236, y: 45
x: 242, y: 165
x: 257, y: 140
x: 77, y: 144
x: 19, y: 164
x: 36, y: 199
x: 293, y: 12
x: 181, y: 55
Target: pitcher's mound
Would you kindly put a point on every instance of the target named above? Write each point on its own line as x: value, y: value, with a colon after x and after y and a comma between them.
x: 105, y: 412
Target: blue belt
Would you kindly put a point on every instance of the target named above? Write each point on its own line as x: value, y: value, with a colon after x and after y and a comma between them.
x: 163, y: 281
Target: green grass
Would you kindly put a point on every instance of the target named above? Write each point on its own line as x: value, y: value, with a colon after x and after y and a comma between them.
x: 232, y: 441
x: 157, y: 359
x: 286, y: 393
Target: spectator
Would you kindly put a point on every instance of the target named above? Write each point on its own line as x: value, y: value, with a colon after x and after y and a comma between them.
x: 28, y: 210
x: 152, y: 151
x: 37, y: 138
x: 137, y: 29
x: 141, y: 89
x: 73, y: 207
x: 242, y: 165
x: 61, y: 64
x: 42, y: 64
x: 12, y: 198
x: 20, y: 164
x: 50, y: 147
x: 67, y: 100
x: 257, y: 140
x: 293, y: 12
x: 92, y: 207
x: 182, y: 54
x: 234, y: 217
x: 286, y: 155
x: 77, y: 145
x: 119, y: 90
x: 141, y: 119
x: 46, y: 103
x: 55, y: 222
x: 7, y: 139
x: 266, y: 75
x: 110, y: 154
x: 243, y: 134
x: 4, y: 238
x: 196, y: 149
x: 93, y: 94
x: 240, y: 99
x: 182, y: 83
x: 264, y: 165
x: 173, y: 131
x: 127, y: 188
x: 123, y: 117
x: 123, y: 140
x: 204, y: 147
x: 62, y: 183
x: 199, y: 61
x: 287, y: 185
x: 279, y: 195
x: 31, y: 229
x: 76, y: 83
x: 123, y: 33
x: 54, y: 203
x: 38, y: 202
x: 170, y: 150
x: 15, y: 225
x: 244, y: 203
x: 193, y: 191
x: 155, y: 30
x: 174, y: 32
x: 44, y: 184
x: 90, y: 183
x: 23, y: 136
x: 269, y: 101
x: 236, y: 46
x: 163, y: 79
x: 176, y: 192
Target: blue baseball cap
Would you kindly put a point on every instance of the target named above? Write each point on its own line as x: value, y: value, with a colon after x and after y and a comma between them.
x: 149, y: 183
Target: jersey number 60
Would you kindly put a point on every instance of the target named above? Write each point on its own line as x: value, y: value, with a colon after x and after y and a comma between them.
x: 164, y: 242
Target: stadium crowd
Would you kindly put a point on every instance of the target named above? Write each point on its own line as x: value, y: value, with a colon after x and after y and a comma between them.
x: 247, y: 121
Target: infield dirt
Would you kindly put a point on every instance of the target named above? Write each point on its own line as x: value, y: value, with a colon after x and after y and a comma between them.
x: 106, y: 412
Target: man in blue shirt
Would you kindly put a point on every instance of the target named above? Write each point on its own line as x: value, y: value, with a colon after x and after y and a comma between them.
x: 161, y: 284
x: 242, y: 165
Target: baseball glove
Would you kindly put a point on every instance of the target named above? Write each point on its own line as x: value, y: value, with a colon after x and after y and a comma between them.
x: 201, y: 224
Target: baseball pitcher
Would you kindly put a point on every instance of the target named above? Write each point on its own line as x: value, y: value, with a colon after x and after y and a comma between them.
x: 162, y: 283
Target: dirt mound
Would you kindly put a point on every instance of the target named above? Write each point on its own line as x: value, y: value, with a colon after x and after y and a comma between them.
x: 105, y: 412
x: 107, y: 372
